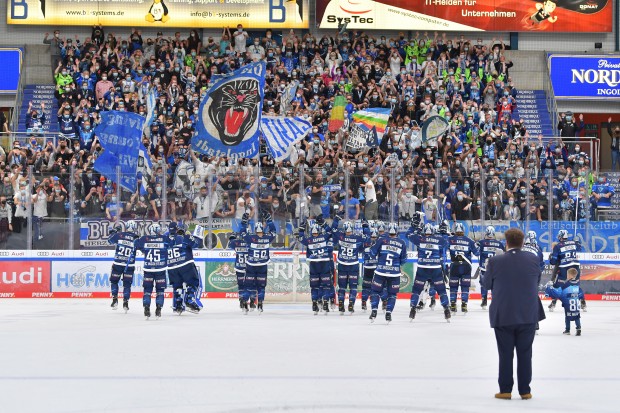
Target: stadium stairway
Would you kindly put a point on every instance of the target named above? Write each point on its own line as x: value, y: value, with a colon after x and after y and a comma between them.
x: 532, y: 108
x: 37, y: 94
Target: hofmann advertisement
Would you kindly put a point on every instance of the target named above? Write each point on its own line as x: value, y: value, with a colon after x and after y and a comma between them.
x: 585, y: 77
x: 277, y: 14
x: 468, y: 15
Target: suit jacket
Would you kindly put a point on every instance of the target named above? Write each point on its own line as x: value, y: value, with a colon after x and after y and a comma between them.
x: 514, y: 277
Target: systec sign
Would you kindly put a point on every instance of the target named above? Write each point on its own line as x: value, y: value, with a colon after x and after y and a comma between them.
x: 277, y: 14
x: 585, y: 77
x: 468, y: 15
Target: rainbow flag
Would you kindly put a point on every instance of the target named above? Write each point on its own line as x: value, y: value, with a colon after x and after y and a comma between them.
x: 336, y: 120
x: 373, y: 117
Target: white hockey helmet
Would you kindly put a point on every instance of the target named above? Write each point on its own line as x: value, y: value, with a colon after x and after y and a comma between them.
x: 530, y: 238
x: 428, y: 229
x: 156, y: 229
x: 392, y: 229
x: 459, y: 228
x: 562, y: 235
x: 489, y: 232
x: 258, y: 228
x: 131, y: 226
x: 347, y: 227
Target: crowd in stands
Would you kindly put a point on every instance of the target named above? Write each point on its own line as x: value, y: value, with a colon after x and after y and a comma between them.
x: 486, y: 164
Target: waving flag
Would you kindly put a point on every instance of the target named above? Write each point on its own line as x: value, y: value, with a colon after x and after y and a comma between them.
x: 230, y: 112
x: 281, y: 134
x: 336, y: 120
x: 433, y: 128
x: 120, y: 135
x: 373, y: 117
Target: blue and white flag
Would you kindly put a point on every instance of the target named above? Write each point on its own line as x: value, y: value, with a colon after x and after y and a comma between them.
x: 281, y: 134
x: 145, y: 169
x: 151, y: 102
x: 120, y: 135
x: 230, y: 113
x: 372, y: 140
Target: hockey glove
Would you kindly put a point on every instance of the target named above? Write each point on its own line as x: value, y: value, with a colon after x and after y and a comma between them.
x: 320, y: 220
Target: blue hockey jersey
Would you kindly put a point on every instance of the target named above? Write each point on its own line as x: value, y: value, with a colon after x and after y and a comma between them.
x: 317, y: 246
x: 155, y: 250
x: 431, y: 248
x: 241, y: 253
x: 180, y: 252
x: 570, y: 296
x: 565, y: 253
x: 391, y: 254
x: 125, y: 253
x: 258, y: 246
x: 535, y: 249
x: 370, y: 260
x: 349, y: 246
x: 461, y: 249
x: 489, y: 248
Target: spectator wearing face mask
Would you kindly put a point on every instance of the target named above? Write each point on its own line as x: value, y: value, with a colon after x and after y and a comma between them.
x: 602, y: 192
x: 461, y: 207
x: 35, y: 120
x: 6, y: 219
x: 615, y: 144
x: 495, y: 209
x: 568, y: 127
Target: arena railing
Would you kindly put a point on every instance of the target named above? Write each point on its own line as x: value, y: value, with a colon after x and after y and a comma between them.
x: 552, y: 106
x: 77, y: 217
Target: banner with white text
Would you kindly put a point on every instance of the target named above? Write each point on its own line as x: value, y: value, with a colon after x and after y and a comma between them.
x: 467, y: 15
x: 276, y: 14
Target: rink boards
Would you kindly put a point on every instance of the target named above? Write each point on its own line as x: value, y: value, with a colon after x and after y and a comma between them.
x: 85, y: 274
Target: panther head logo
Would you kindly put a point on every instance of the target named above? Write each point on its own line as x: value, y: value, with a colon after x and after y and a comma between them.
x: 234, y: 108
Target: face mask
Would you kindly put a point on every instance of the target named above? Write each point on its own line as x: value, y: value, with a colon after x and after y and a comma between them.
x: 380, y: 180
x: 494, y: 198
x: 439, y: 164
x: 543, y: 193
x: 365, y: 179
x: 158, y: 189
x: 466, y: 186
x: 522, y: 191
x: 511, y: 202
x: 404, y: 156
x: 113, y: 199
x: 365, y: 159
x: 263, y: 185
x: 459, y: 197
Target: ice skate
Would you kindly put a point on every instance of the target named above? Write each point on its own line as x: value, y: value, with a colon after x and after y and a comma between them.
x: 252, y: 304
x: 147, y: 312
x: 246, y: 309
x: 447, y: 314
x: 178, y: 309
x: 584, y: 307
x: 464, y: 308
x: 421, y: 305
x: 193, y: 308
x: 241, y: 306
x: 412, y: 314
x: 158, y: 311
x: 364, y: 307
x: 114, y: 303
x: 341, y: 307
x: 388, y: 317
x: 332, y: 304
x: 552, y: 305
x: 315, y: 307
x: 373, y: 316
x: 351, y: 308
x: 578, y: 332
x: 260, y: 307
x: 126, y: 305
x: 326, y: 306
x: 432, y: 304
x: 383, y: 305
x: 453, y: 306
x: 566, y: 332
x: 483, y: 304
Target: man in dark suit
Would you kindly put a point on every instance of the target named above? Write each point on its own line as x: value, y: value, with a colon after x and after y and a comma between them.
x: 514, y: 312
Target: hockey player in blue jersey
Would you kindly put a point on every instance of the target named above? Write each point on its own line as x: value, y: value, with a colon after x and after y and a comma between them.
x: 391, y: 253
x: 124, y: 262
x: 570, y: 295
x: 564, y: 256
x: 370, y: 265
x: 350, y: 246
x: 237, y: 243
x: 531, y: 245
x: 182, y: 271
x: 461, y: 249
x: 431, y: 251
x: 319, y: 257
x: 155, y: 250
x: 259, y: 244
x: 488, y: 247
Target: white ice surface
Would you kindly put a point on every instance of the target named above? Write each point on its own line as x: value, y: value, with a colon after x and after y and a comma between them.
x: 80, y: 356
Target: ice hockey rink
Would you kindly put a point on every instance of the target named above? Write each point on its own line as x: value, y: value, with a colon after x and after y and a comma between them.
x: 77, y: 355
